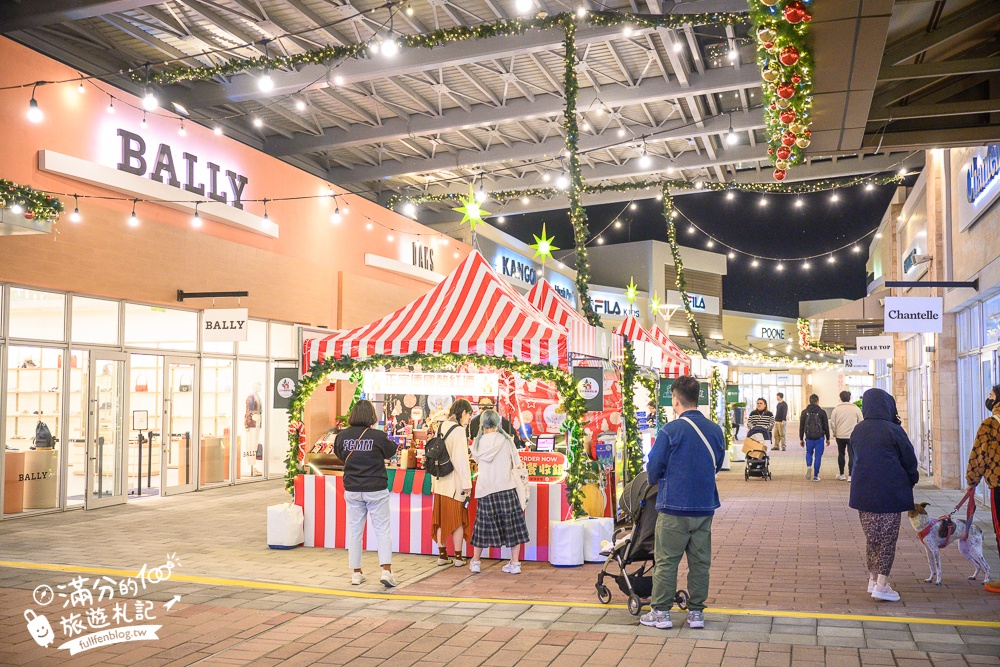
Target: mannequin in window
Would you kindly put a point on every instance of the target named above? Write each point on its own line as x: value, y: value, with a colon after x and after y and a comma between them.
x: 251, y: 422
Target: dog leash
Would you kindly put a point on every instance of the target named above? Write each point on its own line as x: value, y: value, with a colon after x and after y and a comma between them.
x: 969, y: 497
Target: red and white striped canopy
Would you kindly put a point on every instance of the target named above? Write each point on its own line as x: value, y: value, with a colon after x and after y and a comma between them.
x: 672, y: 365
x: 672, y: 350
x: 544, y: 297
x: 472, y: 311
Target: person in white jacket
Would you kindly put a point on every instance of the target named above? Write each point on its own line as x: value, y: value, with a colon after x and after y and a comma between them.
x: 450, y: 511
x: 842, y: 422
x: 499, y: 518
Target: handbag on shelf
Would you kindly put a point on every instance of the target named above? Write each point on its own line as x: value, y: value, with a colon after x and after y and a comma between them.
x: 185, y: 384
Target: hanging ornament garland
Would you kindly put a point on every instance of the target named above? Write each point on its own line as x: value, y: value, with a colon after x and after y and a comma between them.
x: 784, y: 55
x: 33, y: 204
x: 807, y: 342
x: 675, y: 252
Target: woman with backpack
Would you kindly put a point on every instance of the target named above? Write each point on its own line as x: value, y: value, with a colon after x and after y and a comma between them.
x: 450, y: 512
x: 814, y: 433
x: 499, y: 517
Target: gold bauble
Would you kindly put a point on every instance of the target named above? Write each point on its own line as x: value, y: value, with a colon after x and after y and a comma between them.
x: 782, y: 103
x: 802, y: 142
x: 769, y: 75
x: 797, y: 128
x: 770, y: 3
x: 781, y: 164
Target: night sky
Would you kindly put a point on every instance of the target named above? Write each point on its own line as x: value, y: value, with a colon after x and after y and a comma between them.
x: 779, y: 229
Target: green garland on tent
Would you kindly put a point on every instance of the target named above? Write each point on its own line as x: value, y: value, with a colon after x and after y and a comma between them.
x: 675, y: 251
x: 579, y: 468
x: 633, y: 444
x: 36, y: 204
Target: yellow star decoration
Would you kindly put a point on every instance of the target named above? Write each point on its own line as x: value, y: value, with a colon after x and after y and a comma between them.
x: 470, y: 210
x: 543, y: 246
x: 654, y: 304
x: 632, y: 291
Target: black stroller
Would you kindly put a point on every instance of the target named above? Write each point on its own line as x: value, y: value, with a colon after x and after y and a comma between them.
x: 757, y: 459
x: 634, y: 537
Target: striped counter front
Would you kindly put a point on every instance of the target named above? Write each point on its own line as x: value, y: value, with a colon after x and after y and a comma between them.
x: 325, y: 514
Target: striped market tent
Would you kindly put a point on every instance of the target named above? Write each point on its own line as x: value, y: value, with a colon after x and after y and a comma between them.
x: 660, y: 336
x: 472, y: 311
x: 582, y: 338
x: 673, y: 365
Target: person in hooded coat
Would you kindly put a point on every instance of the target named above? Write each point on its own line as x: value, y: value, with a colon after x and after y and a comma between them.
x: 885, y: 471
x: 499, y: 517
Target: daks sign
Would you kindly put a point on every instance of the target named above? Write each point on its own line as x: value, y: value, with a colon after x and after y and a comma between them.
x: 225, y: 325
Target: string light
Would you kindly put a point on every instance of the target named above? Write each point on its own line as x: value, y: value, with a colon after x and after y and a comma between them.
x: 869, y: 187
x: 763, y: 201
x: 798, y: 202
x: 111, y: 106
x: 16, y: 209
x: 257, y: 122
x: 35, y: 114
x: 80, y: 89
x: 217, y: 130
x: 300, y: 105
x: 678, y: 46
x: 338, y: 80
x: 336, y: 217
x: 390, y: 47
x: 834, y: 198
x: 691, y: 229
x: 562, y: 181
x: 581, y: 12
x: 75, y: 215
x: 600, y: 239
x: 732, y: 255
x: 149, y: 102
x: 502, y: 219
x: 391, y: 238
x: 410, y: 209
x: 143, y: 123
x: 368, y: 226
x: 754, y: 263
x: 265, y: 83
x: 805, y: 265
x: 633, y: 206
x: 524, y: 6
x: 181, y: 131
x: 409, y: 9
x: 731, y: 137
x: 780, y: 267
x: 525, y: 201
x: 644, y: 159
x: 266, y: 217
x: 832, y: 259
x: 133, y: 221
x: 709, y: 243
x: 878, y: 235
x: 627, y: 31
x: 730, y: 195
x: 856, y: 248
x: 618, y: 224
x: 196, y: 220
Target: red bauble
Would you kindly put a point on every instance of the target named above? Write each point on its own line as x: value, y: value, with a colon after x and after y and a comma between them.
x: 807, y: 17
x: 768, y: 45
x: 770, y: 151
x: 787, y: 116
x: 779, y: 174
x: 772, y: 106
x: 789, y: 56
x: 809, y: 133
x: 788, y: 138
x: 796, y: 78
x: 795, y: 12
x: 29, y: 215
x: 786, y: 90
x: 783, y: 153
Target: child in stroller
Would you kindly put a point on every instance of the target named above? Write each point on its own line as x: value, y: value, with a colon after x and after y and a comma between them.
x: 634, y: 539
x: 755, y: 449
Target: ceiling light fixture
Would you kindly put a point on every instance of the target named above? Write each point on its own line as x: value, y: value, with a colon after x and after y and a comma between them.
x: 196, y: 220
x: 111, y: 106
x: 133, y: 221
x: 524, y: 6
x: 731, y: 136
x: 217, y: 130
x: 75, y: 215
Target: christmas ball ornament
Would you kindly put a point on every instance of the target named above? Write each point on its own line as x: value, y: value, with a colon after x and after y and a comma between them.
x: 783, y: 103
x: 783, y: 153
x: 29, y: 215
x: 765, y: 34
x: 795, y: 12
x: 796, y: 78
x: 808, y: 133
x: 802, y: 142
x: 786, y: 90
x: 769, y: 75
x: 768, y: 45
x: 789, y: 56
x: 772, y: 106
x: 807, y: 17
x: 788, y: 138
x: 779, y: 174
x: 787, y: 116
x: 797, y: 128
x: 781, y: 164
x: 769, y: 3
x: 770, y: 151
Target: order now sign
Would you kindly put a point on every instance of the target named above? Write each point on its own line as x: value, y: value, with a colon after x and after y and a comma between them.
x: 225, y: 325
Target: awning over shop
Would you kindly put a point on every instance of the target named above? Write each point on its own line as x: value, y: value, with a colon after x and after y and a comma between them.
x: 472, y: 311
x: 674, y: 352
x: 672, y: 364
x: 584, y: 338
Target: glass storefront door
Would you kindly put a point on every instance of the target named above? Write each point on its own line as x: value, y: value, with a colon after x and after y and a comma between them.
x: 105, y: 431
x: 178, y: 460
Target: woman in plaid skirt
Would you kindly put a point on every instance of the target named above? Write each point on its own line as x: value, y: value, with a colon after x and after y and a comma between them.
x: 499, y: 517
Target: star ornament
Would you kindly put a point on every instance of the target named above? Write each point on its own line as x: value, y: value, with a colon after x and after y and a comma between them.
x: 654, y: 304
x: 470, y: 210
x: 632, y: 291
x: 543, y: 246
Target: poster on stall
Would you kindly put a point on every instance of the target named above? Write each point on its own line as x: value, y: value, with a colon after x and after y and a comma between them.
x: 538, y: 403
x: 544, y: 467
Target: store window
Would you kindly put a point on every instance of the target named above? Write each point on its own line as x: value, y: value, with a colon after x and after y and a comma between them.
x: 145, y: 390
x: 250, y: 422
x: 94, y: 321
x: 37, y: 315
x: 283, y: 341
x: 991, y: 322
x: 767, y: 386
x: 160, y: 328
x: 216, y: 420
x: 33, y: 429
x: 76, y: 438
x: 858, y: 385
x: 218, y: 348
x: 256, y: 343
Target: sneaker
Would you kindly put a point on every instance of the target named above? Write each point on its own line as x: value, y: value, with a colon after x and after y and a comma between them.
x: 357, y: 578
x: 848, y: 478
x: 871, y: 585
x: 474, y: 566
x: 512, y: 568
x: 885, y: 593
x: 815, y: 479
x: 656, y: 619
x: 387, y: 579
x: 460, y: 562
x: 444, y: 560
x: 841, y: 477
x: 809, y: 472
x: 696, y: 619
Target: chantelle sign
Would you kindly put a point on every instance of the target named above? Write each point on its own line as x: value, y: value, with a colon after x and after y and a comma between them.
x: 913, y: 314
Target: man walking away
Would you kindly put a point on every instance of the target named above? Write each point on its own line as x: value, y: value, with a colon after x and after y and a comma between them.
x: 984, y: 464
x: 687, y: 454
x: 814, y: 432
x: 842, y: 422
x: 780, y: 419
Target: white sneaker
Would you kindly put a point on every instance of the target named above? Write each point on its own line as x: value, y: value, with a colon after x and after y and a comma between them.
x: 848, y: 478
x: 656, y: 619
x: 443, y: 561
x: 696, y: 619
x: 512, y: 568
x: 357, y: 578
x: 841, y: 477
x: 809, y: 472
x: 387, y: 579
x: 885, y: 593
x: 474, y: 566
x: 871, y: 585
x: 816, y: 479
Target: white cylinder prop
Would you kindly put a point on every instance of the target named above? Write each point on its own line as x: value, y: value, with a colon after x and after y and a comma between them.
x: 596, y: 531
x: 284, y: 526
x: 566, y: 543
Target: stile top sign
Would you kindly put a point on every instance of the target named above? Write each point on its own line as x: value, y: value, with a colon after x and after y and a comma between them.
x: 874, y: 347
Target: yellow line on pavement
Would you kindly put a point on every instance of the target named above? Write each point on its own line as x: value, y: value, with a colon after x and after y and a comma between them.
x: 333, y: 592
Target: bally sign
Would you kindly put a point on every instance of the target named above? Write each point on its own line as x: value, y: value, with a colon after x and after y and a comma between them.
x: 225, y: 325
x: 913, y: 314
x: 874, y: 347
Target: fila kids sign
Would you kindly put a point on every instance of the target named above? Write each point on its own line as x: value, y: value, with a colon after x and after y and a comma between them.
x: 913, y: 314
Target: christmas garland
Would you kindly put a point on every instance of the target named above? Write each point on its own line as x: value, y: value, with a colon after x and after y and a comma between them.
x: 579, y: 467
x: 633, y: 444
x: 807, y: 342
x: 675, y: 251
x: 784, y: 55
x: 34, y: 203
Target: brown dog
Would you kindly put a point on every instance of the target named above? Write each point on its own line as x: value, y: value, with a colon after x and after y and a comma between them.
x: 928, y: 530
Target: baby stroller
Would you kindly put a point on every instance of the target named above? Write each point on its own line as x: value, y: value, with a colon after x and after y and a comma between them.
x: 634, y: 537
x: 755, y: 448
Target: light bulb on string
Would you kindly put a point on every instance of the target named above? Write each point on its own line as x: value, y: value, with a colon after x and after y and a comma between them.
x: 673, y: 214
x: 754, y: 263
x: 143, y: 123
x: 266, y: 216
x: 16, y: 208
x: 780, y: 267
x: 621, y: 131
x: 878, y: 235
x: 390, y: 47
x: 627, y: 31
x: 762, y: 202
x: 181, y: 131
x: 336, y: 217
x: 644, y: 159
x: 391, y: 238
x: 410, y: 210
x: 798, y: 202
x: 869, y: 187
x: 257, y: 122
x: 832, y: 259
x: 524, y: 6
x: 300, y: 105
x: 111, y: 106
x: 265, y: 83
x: 133, y: 221
x: 710, y: 243
x: 546, y: 177
x: 368, y: 226
x: 733, y: 54
x: 600, y: 240
x: 409, y: 9
x: 35, y: 114
x: 732, y: 255
x: 217, y: 130
x: 633, y: 206
x: 806, y: 265
x: 562, y: 181
x: 731, y: 136
x: 502, y: 219
x: 698, y: 185
x: 659, y: 196
x: 345, y: 209
x: 691, y: 229
x: 196, y: 220
x: 618, y: 224
x: 834, y: 197
x: 525, y: 201
x: 581, y: 12
x: 75, y: 215
x: 80, y: 88
x: 678, y: 46
x: 855, y: 248
x: 149, y: 102
x: 481, y: 192
x: 730, y: 195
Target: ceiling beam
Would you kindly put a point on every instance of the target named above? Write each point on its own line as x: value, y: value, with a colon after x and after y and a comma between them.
x: 973, y: 16
x: 650, y: 90
x: 550, y: 147
x: 937, y: 138
x: 937, y: 70
x: 936, y: 110
x: 38, y: 13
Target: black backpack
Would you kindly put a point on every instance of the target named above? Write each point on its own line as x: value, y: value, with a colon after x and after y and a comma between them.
x: 814, y: 426
x: 436, y: 459
x: 43, y: 436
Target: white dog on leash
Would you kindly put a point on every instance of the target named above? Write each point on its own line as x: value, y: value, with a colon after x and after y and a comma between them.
x: 929, y: 533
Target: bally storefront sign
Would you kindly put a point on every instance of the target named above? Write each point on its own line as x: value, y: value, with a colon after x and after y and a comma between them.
x: 913, y: 314
x: 225, y: 325
x: 874, y: 347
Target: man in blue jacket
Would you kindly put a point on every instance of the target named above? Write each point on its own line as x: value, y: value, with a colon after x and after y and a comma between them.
x: 687, y: 454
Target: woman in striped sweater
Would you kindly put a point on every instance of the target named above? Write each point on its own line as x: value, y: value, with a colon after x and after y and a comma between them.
x: 761, y: 417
